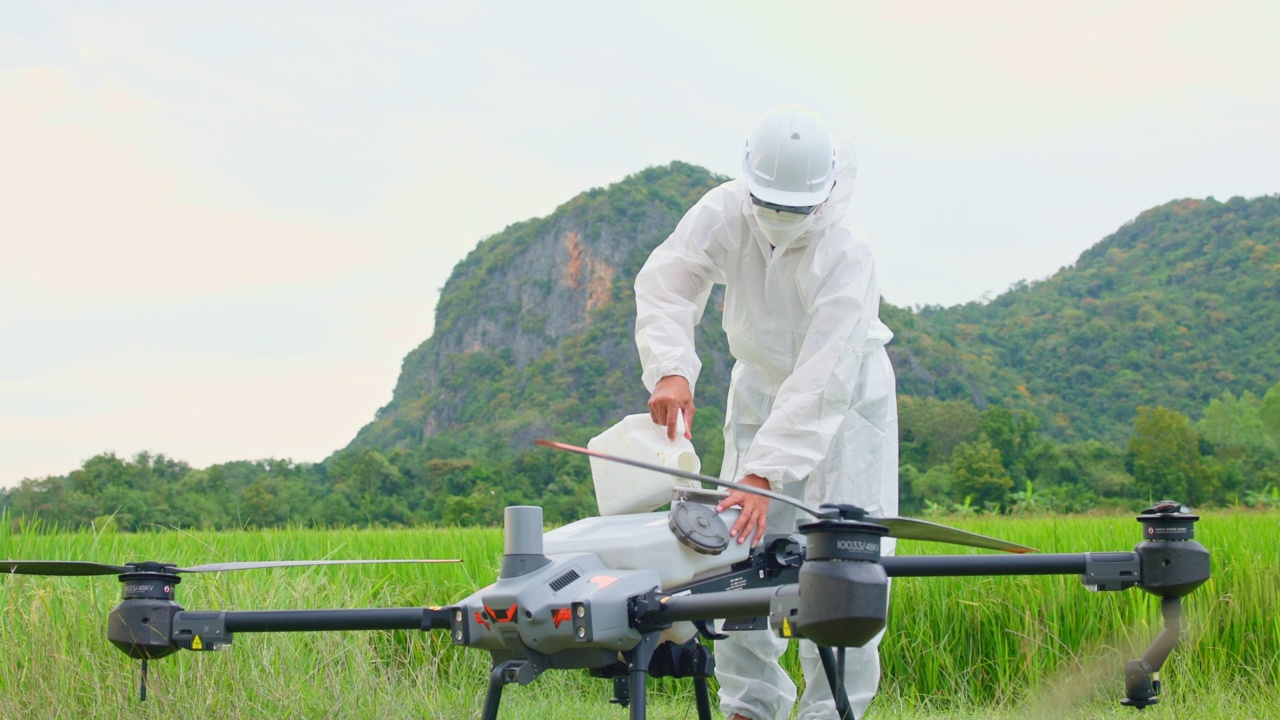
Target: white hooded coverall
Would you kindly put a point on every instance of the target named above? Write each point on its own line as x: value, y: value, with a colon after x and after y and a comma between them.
x: 812, y: 405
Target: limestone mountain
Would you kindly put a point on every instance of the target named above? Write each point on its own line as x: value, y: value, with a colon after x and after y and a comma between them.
x: 533, y: 331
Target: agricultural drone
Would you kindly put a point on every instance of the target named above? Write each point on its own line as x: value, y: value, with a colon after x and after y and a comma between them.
x: 630, y: 597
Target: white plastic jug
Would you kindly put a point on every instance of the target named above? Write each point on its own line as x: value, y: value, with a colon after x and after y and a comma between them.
x: 624, y: 489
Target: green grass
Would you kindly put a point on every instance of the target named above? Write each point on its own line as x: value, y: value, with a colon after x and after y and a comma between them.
x: 964, y: 647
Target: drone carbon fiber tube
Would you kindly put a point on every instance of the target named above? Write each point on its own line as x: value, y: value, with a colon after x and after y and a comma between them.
x: 958, y: 565
x: 343, y: 619
x: 264, y: 621
x: 753, y: 602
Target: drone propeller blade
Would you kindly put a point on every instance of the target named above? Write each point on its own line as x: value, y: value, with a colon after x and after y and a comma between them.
x: 555, y: 445
x: 912, y: 529
x: 59, y: 567
x: 905, y: 528
x: 79, y: 568
x: 222, y: 567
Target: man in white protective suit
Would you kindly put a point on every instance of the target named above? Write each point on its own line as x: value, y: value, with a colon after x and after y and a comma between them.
x: 812, y: 409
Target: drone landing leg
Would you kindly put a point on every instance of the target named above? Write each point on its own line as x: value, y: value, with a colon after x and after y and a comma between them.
x: 702, y: 696
x: 493, y: 696
x: 1141, y: 687
x: 509, y: 671
x: 834, y: 670
x: 638, y: 659
x: 142, y: 684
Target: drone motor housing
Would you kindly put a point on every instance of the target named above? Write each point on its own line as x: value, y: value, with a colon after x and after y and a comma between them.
x: 843, y: 588
x: 141, y: 625
x: 1173, y: 563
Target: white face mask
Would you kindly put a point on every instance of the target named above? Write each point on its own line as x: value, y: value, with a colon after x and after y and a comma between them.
x: 781, y: 228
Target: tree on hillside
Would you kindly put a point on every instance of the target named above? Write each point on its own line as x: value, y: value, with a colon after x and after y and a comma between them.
x: 1245, y: 454
x: 918, y: 491
x: 930, y: 429
x: 1269, y: 412
x: 977, y: 472
x: 1101, y: 468
x: 1164, y: 454
x: 1015, y: 435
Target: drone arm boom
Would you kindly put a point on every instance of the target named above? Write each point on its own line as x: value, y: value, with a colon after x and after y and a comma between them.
x: 202, y: 630
x: 1106, y: 570
x: 711, y: 606
x: 344, y: 619
x: 1100, y: 570
x: 963, y: 565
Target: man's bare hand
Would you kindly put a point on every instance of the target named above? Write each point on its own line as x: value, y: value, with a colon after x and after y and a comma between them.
x: 755, y: 510
x: 670, y: 396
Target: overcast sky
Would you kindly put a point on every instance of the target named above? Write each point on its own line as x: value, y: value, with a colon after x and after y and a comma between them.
x: 223, y: 225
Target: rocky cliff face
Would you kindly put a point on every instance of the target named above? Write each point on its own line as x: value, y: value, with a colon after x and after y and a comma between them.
x: 524, y: 293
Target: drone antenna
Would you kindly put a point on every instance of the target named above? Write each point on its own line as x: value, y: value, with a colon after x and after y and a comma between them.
x: 820, y: 514
x: 142, y: 685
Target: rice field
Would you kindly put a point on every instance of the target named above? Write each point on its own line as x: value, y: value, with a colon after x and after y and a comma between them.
x: 956, y: 647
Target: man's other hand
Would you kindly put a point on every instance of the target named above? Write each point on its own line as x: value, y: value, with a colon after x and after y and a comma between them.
x: 755, y: 510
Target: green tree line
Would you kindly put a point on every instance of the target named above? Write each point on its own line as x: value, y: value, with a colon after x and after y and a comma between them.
x: 954, y: 458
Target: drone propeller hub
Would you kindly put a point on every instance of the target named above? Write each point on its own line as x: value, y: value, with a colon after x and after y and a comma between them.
x: 1168, y: 521
x: 148, y: 585
x: 1172, y: 562
x: 843, y: 540
x: 844, y: 511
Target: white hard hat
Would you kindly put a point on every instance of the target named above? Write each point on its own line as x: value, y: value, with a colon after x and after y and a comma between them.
x: 789, y: 160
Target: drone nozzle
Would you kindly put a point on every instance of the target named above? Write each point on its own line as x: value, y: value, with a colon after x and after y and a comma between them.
x: 1141, y: 689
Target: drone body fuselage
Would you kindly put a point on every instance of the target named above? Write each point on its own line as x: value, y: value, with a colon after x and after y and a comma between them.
x: 571, y: 612
x: 570, y: 607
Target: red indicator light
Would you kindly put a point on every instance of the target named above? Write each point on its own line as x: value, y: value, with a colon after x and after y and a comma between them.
x: 561, y: 615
